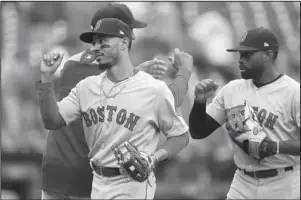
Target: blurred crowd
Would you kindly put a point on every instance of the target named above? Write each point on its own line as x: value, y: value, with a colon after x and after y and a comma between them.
x: 204, y: 29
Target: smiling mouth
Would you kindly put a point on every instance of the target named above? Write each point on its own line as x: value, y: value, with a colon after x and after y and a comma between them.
x: 98, y: 57
x: 242, y: 68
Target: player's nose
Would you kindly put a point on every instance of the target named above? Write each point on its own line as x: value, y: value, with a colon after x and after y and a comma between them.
x: 95, y: 47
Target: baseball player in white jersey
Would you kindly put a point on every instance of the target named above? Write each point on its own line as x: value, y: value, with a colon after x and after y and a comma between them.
x: 118, y: 106
x: 262, y: 116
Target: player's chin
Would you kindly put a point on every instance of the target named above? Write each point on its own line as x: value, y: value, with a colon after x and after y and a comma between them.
x: 105, y: 65
x: 102, y: 61
x: 245, y: 74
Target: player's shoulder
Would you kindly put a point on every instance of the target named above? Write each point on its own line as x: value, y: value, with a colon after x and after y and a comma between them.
x: 148, y: 79
x: 289, y: 86
x: 90, y: 80
x: 236, y: 83
x: 290, y: 82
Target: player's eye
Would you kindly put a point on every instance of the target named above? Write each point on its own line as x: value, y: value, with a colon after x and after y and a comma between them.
x: 104, y: 45
x: 246, y: 54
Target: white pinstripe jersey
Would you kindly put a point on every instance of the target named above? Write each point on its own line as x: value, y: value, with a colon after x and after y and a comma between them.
x: 278, y: 108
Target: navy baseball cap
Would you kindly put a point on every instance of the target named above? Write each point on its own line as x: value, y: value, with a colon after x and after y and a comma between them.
x: 119, y: 11
x: 107, y: 27
x: 259, y: 39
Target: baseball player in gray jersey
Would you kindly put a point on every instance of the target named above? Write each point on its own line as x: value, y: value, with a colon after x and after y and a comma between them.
x: 123, y: 112
x: 262, y: 116
x: 66, y: 170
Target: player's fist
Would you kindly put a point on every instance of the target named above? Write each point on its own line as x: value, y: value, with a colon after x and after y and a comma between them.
x: 156, y: 68
x: 49, y: 64
x: 204, y: 90
x: 181, y: 59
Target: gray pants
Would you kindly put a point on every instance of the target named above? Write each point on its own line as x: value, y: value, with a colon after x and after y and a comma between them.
x: 122, y: 187
x: 286, y: 185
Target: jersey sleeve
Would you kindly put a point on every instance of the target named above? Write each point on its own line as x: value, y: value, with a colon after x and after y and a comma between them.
x: 179, y: 86
x: 169, y: 121
x: 69, y: 107
x: 296, y: 108
x: 216, y: 109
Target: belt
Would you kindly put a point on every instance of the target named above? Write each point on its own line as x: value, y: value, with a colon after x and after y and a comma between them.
x: 265, y: 173
x: 106, y: 171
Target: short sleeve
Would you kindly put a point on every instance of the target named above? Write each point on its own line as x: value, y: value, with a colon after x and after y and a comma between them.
x: 296, y: 108
x: 216, y: 109
x: 69, y: 107
x: 169, y: 121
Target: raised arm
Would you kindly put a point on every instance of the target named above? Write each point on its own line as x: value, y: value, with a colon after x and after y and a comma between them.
x: 183, y: 63
x: 54, y: 114
x: 51, y: 117
x: 202, y: 124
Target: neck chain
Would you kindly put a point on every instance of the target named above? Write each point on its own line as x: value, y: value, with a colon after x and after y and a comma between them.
x: 108, y: 96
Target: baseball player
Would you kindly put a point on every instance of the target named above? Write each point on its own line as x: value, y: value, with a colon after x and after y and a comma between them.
x: 66, y: 172
x: 122, y: 109
x: 262, y: 115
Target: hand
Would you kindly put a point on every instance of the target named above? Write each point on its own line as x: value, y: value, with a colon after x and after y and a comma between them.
x: 138, y: 166
x: 268, y: 147
x: 156, y: 68
x: 49, y: 65
x: 150, y: 160
x: 204, y: 90
x: 181, y: 59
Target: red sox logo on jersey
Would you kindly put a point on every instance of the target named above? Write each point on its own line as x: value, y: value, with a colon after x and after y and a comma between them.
x: 122, y: 117
x: 235, y: 115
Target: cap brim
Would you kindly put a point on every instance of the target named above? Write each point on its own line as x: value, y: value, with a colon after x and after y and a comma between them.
x: 242, y: 48
x: 138, y: 24
x: 87, y: 37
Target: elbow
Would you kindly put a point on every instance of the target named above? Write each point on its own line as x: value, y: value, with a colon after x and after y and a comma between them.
x: 196, y: 130
x: 197, y: 134
x: 50, y: 124
x: 186, y: 138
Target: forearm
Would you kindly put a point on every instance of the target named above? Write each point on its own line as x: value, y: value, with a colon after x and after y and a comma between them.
x: 48, y: 107
x: 201, y: 124
x: 290, y: 147
x: 179, y: 86
x: 172, y: 147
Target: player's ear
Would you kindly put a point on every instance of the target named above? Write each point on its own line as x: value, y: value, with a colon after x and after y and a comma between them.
x: 267, y: 56
x: 124, y: 43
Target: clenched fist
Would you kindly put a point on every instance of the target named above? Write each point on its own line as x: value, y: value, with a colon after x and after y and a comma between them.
x: 49, y: 65
x: 181, y: 59
x: 204, y: 90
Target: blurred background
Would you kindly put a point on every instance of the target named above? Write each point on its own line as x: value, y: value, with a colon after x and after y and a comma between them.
x: 204, y: 29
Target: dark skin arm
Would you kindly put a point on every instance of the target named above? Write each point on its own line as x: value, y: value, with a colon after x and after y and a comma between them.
x: 201, y: 125
x: 290, y: 147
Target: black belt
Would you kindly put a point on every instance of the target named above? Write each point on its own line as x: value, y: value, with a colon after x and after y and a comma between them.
x: 265, y: 173
x: 106, y: 171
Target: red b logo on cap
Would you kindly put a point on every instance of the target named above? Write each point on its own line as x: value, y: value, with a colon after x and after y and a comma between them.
x: 243, y: 38
x: 97, y: 25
